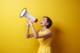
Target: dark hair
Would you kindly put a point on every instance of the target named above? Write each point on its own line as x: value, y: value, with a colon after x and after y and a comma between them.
x: 49, y: 21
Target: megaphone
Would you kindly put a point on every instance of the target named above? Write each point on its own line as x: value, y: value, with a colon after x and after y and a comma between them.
x: 24, y: 13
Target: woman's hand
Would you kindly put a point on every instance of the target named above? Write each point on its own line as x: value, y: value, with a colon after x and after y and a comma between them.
x: 30, y: 23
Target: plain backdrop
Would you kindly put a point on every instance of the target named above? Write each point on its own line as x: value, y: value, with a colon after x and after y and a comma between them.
x: 66, y: 25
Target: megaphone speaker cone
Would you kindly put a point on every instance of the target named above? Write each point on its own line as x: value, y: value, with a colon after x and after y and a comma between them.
x: 23, y: 12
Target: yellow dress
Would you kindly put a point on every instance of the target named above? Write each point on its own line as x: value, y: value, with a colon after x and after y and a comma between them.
x: 44, y: 44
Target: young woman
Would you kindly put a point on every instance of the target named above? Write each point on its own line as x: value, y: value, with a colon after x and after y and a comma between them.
x: 43, y: 35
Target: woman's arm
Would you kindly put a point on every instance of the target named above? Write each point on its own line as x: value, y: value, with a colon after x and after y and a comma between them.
x: 34, y: 32
x: 28, y: 35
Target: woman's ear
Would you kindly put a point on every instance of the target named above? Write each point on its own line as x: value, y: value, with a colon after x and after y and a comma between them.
x: 47, y: 23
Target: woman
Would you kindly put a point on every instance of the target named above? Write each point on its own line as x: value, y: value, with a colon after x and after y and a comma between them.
x: 43, y: 35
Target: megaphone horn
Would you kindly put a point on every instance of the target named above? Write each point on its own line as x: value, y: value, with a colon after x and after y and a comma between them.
x: 24, y: 13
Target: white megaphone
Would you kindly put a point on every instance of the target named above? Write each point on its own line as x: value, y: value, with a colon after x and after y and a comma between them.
x: 24, y: 13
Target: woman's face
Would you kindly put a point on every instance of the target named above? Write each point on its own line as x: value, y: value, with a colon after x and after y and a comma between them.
x: 43, y: 22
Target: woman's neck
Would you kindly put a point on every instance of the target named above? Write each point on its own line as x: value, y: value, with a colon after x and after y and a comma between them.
x: 43, y: 28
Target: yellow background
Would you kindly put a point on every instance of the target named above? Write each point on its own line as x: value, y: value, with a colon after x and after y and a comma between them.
x: 66, y: 28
